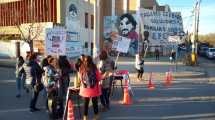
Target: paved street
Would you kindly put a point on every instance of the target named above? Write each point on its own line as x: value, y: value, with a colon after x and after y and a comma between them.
x: 189, y: 98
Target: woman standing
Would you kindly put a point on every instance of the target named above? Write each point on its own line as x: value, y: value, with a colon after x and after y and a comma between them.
x: 90, y: 88
x: 33, y: 78
x: 19, y: 75
x: 106, y: 67
x: 65, y: 69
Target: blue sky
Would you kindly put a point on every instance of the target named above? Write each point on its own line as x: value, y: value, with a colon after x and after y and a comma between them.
x: 207, y: 13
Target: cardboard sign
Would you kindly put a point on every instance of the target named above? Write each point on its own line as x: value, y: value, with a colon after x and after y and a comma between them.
x: 123, y: 44
x: 55, y: 41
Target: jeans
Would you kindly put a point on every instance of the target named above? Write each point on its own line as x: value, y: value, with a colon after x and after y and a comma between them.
x: 18, y: 86
x: 105, y: 97
x: 64, y: 85
x: 95, y: 105
x: 34, y: 98
x: 140, y: 73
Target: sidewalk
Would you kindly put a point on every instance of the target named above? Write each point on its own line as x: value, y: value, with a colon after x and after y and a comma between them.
x: 158, y: 68
x: 162, y: 66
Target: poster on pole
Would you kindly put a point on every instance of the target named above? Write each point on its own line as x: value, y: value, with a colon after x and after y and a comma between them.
x: 55, y: 41
x: 73, y: 45
x: 73, y: 49
x: 123, y: 44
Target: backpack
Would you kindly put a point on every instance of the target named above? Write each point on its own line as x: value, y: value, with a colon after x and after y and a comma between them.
x: 89, y: 79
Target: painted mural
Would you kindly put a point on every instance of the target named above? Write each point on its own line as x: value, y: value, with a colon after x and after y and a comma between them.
x: 154, y: 28
x: 124, y: 26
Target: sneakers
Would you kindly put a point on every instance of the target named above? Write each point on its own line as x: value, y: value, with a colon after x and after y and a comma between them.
x: 34, y: 109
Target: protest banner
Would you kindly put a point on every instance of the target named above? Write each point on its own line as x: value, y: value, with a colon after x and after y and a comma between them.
x: 160, y: 25
x: 55, y: 41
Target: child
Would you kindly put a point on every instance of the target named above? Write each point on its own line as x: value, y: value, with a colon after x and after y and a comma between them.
x: 139, y: 63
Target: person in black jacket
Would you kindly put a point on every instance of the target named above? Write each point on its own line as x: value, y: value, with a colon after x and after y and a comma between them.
x: 65, y: 69
x: 33, y: 73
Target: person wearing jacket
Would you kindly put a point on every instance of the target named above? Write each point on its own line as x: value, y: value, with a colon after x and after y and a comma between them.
x: 19, y: 75
x: 91, y: 91
x: 106, y: 68
x: 65, y: 69
x: 33, y: 73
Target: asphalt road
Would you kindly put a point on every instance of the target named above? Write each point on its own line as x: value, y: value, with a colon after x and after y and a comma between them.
x: 181, y: 101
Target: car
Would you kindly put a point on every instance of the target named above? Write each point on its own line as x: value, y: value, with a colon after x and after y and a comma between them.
x: 202, y: 51
x: 210, y: 53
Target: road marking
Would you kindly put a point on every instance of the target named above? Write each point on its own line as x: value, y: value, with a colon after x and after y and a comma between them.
x: 171, y: 99
x: 7, y: 81
x: 14, y: 110
x: 190, y: 116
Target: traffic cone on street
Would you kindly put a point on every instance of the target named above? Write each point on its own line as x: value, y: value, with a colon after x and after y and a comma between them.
x: 126, y: 99
x: 70, y: 112
x: 151, y: 85
x: 170, y: 75
x: 167, y: 79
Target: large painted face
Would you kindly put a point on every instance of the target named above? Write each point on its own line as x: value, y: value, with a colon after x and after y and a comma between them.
x: 125, y: 26
x: 73, y: 10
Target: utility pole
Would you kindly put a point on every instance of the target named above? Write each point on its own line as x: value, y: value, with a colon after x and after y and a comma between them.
x: 197, y: 28
x: 96, y: 28
x: 194, y: 38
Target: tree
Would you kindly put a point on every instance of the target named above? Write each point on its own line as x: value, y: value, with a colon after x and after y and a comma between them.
x: 24, y: 21
x: 208, y: 38
x: 31, y: 31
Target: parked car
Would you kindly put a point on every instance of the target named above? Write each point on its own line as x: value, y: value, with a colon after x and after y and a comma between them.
x: 202, y: 51
x: 210, y: 53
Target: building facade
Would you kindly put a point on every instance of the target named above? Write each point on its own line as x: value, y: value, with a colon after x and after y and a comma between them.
x: 18, y: 17
x: 49, y: 13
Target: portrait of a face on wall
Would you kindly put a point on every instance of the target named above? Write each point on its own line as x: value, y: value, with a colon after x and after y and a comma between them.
x: 73, y: 12
x: 127, y: 23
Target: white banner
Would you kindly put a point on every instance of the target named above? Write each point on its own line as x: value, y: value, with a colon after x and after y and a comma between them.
x: 55, y: 41
x: 160, y: 25
x: 73, y: 48
x: 123, y: 44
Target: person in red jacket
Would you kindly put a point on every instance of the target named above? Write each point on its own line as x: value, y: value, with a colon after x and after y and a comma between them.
x: 89, y: 88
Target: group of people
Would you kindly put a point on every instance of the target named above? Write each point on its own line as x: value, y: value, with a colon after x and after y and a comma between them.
x: 95, y: 79
x: 36, y: 76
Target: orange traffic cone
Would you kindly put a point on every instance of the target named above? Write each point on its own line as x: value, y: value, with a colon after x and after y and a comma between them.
x: 151, y: 86
x: 170, y: 75
x: 70, y: 112
x: 167, y: 80
x: 126, y: 99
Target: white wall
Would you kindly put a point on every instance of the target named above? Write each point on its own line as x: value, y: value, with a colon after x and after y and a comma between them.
x: 8, y: 49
